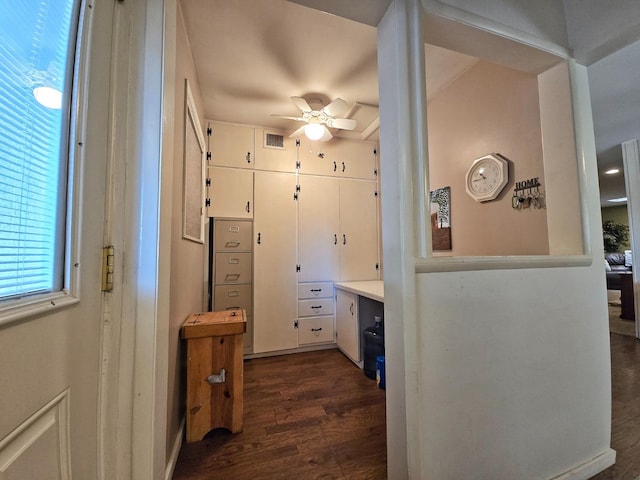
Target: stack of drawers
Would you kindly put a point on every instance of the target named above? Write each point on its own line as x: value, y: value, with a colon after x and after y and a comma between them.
x: 232, y: 270
x: 315, y: 313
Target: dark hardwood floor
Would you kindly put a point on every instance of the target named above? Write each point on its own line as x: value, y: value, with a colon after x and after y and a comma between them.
x: 315, y: 415
x: 306, y: 416
x: 625, y: 423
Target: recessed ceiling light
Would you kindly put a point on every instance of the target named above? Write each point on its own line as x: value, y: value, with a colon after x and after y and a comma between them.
x: 612, y: 171
x: 617, y: 200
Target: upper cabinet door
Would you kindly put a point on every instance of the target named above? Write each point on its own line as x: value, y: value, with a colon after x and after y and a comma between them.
x: 318, y: 229
x: 231, y: 145
x: 359, y: 230
x: 275, y: 151
x: 230, y: 193
x: 338, y: 157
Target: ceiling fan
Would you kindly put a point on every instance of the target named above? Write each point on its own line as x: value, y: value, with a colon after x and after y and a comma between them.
x: 318, y: 118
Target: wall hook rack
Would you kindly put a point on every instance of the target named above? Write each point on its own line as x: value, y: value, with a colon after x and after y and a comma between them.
x: 528, y: 194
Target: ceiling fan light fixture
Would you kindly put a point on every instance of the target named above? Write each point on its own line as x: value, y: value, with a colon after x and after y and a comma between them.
x: 314, y: 131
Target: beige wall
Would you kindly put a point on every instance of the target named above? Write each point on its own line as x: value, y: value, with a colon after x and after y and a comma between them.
x: 488, y: 109
x: 187, y: 257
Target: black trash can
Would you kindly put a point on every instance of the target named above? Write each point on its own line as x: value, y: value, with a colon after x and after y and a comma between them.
x: 373, y: 338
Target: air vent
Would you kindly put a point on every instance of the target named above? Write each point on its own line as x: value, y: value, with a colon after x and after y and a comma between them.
x: 273, y: 140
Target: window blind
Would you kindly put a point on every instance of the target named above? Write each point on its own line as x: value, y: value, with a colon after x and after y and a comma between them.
x: 36, y: 50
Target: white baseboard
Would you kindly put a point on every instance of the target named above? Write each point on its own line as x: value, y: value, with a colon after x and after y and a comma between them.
x: 590, y: 468
x: 175, y: 451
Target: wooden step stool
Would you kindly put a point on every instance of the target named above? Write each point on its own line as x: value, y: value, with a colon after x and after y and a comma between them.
x: 214, y: 371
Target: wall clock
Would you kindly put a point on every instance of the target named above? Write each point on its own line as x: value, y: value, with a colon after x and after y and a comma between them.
x: 486, y: 178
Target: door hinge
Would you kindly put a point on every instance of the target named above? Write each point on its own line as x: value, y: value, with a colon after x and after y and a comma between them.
x: 295, y: 196
x: 297, y: 142
x: 375, y: 151
x: 209, y: 131
x: 375, y: 172
x: 208, y: 182
x: 295, y: 324
x: 377, y: 266
x: 207, y: 202
x: 298, y: 268
x: 297, y: 188
x: 208, y: 155
x: 375, y: 194
x: 298, y: 164
x: 107, y: 268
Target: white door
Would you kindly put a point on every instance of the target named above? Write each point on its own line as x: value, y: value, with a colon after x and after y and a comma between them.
x: 230, y: 193
x: 50, y: 354
x: 347, y: 325
x: 231, y: 145
x: 318, y: 229
x: 354, y: 159
x: 275, y: 255
x: 358, y: 230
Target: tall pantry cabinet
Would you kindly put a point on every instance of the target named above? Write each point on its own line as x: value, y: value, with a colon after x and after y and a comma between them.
x: 314, y: 211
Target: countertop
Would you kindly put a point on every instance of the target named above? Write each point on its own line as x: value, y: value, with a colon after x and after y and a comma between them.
x: 373, y: 289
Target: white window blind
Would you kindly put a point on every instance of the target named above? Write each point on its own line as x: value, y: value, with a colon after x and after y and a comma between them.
x: 37, y: 40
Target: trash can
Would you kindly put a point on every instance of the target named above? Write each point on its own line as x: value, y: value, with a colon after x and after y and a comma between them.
x: 380, y: 373
x: 373, y: 347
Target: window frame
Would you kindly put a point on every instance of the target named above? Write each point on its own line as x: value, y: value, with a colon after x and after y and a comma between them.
x: 75, y: 107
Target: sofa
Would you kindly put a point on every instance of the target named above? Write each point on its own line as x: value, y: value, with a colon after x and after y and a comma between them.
x: 615, y: 266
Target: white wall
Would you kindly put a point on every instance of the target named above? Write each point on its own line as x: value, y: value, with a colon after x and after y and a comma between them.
x: 505, y: 373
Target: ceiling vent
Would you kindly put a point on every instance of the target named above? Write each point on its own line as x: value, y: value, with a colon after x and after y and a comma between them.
x: 273, y: 140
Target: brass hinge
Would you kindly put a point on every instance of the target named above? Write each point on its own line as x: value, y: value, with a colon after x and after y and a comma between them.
x: 107, y: 268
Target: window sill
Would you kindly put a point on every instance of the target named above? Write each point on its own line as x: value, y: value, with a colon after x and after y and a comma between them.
x: 23, y: 309
x: 459, y: 264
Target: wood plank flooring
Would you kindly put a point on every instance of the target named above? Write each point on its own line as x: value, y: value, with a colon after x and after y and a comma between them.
x: 308, y: 415
x: 315, y: 415
x: 625, y: 423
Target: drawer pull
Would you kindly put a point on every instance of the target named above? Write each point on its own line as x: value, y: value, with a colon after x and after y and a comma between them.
x: 314, y: 307
x: 231, y: 277
x: 232, y: 308
x: 314, y: 290
x: 233, y: 293
x: 316, y: 329
x: 234, y: 229
x: 344, y: 239
x: 234, y: 261
x: 232, y: 244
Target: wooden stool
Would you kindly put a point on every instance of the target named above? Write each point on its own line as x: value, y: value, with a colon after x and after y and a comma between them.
x: 214, y: 371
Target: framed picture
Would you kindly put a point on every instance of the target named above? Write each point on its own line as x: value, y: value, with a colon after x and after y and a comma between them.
x: 441, y: 218
x: 194, y: 172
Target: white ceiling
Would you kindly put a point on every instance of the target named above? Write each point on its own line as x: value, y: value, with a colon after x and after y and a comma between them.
x: 252, y: 56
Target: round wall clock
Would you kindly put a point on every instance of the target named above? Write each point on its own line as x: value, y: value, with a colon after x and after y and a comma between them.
x: 487, y: 177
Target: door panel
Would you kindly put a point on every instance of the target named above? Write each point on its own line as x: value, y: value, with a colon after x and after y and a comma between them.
x: 346, y: 324
x: 275, y: 277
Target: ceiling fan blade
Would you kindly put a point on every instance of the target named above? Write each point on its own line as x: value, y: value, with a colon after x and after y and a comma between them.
x: 336, y: 108
x: 298, y: 133
x: 302, y: 104
x: 299, y: 119
x: 342, y: 123
x: 327, y: 136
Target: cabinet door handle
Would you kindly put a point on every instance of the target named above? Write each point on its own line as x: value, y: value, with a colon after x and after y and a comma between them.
x: 248, y: 208
x: 344, y: 239
x: 231, y: 277
x: 343, y: 167
x: 335, y: 239
x: 315, y: 290
x: 232, y: 244
x: 248, y: 157
x: 351, y: 308
x: 315, y: 307
x: 259, y: 240
x: 335, y: 167
x: 316, y: 329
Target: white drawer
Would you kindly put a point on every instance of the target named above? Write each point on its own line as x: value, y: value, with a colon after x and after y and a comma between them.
x: 232, y: 235
x: 315, y: 330
x: 230, y: 297
x: 315, y: 306
x: 315, y: 290
x: 233, y: 268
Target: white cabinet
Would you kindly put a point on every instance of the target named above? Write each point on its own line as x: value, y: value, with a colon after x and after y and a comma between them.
x: 230, y: 192
x: 318, y: 229
x: 231, y: 145
x: 275, y: 151
x: 275, y: 277
x: 315, y: 313
x: 337, y: 229
x: 338, y: 157
x: 347, y: 337
x: 359, y: 230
